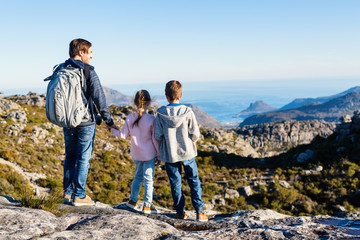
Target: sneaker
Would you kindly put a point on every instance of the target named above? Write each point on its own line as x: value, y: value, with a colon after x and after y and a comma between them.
x: 149, y: 210
x: 86, y: 201
x: 201, y: 217
x: 131, y: 204
x: 181, y: 216
x: 67, y: 199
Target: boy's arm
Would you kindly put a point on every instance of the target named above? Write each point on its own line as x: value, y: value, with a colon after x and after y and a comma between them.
x: 194, y: 131
x: 158, y: 129
x: 154, y: 141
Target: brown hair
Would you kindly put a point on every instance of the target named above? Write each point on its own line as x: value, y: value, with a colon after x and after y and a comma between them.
x: 78, y: 45
x: 142, y: 98
x: 173, y: 90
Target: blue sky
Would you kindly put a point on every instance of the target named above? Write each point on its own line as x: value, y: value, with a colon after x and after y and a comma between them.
x: 155, y: 41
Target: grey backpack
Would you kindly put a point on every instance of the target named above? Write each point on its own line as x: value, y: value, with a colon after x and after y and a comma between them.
x: 64, y: 104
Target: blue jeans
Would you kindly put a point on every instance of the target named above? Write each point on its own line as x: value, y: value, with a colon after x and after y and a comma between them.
x: 191, y: 174
x: 144, y: 171
x: 79, y: 143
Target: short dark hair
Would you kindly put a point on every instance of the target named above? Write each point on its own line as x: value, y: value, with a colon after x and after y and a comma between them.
x: 78, y: 45
x: 173, y: 90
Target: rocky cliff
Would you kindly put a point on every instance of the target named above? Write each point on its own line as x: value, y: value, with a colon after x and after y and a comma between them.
x: 265, y: 140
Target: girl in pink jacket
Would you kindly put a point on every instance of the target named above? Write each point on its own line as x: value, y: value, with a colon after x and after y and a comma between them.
x: 144, y: 150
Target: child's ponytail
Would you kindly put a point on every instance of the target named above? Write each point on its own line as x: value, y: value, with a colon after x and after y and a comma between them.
x: 142, y: 99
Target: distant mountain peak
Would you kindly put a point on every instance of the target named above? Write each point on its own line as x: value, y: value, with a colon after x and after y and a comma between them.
x: 255, y: 108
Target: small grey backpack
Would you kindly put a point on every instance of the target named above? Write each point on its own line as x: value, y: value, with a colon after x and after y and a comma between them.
x: 64, y: 104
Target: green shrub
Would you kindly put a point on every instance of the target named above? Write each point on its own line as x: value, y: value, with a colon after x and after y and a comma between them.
x: 49, y: 202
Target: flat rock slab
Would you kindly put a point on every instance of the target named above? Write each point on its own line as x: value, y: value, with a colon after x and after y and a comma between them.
x: 119, y: 222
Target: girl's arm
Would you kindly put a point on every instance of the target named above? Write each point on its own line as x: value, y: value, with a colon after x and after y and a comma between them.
x: 123, y: 133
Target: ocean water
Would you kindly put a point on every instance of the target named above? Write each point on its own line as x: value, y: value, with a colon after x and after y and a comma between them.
x: 224, y: 99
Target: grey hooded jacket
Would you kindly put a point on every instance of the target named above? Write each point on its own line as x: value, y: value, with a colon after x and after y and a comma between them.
x: 177, y: 130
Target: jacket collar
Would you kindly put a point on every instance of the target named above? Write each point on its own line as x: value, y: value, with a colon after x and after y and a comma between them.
x: 77, y: 63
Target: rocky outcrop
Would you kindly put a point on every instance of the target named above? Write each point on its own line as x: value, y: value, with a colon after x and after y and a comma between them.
x: 32, y: 99
x: 7, y: 105
x: 118, y: 222
x: 265, y: 140
x: 225, y: 141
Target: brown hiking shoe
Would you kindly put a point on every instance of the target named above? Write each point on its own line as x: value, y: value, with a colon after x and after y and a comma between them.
x: 86, y: 201
x: 67, y: 199
x: 149, y: 210
x: 181, y: 216
x: 131, y: 204
x: 201, y: 217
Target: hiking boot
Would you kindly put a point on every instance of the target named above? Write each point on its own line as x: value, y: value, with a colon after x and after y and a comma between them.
x: 181, y: 216
x: 201, y: 217
x: 131, y: 204
x: 67, y: 199
x: 86, y: 201
x: 149, y: 210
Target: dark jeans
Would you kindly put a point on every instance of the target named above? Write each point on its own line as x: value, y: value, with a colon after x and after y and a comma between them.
x: 79, y: 143
x: 191, y: 174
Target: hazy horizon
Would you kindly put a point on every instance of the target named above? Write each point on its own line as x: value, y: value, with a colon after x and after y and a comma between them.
x: 223, y: 99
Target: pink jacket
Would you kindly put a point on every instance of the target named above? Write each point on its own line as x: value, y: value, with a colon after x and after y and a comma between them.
x: 144, y: 146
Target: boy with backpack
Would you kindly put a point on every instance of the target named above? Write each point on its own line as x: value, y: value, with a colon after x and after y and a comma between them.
x: 177, y: 130
x: 73, y: 91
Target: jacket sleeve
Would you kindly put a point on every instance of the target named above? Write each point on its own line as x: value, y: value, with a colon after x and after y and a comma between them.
x: 159, y: 134
x: 123, y: 133
x: 98, y: 96
x: 154, y: 140
x: 194, y: 131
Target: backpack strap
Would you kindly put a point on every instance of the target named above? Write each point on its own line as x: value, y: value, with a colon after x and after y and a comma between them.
x: 87, y: 74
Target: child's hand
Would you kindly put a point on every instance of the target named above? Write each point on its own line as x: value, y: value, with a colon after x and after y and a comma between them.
x: 112, y: 126
x: 109, y: 128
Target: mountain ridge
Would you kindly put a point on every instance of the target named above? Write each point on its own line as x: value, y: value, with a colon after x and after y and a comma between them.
x: 299, y: 102
x: 331, y: 110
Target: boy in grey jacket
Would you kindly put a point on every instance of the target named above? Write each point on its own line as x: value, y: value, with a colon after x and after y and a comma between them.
x: 177, y: 130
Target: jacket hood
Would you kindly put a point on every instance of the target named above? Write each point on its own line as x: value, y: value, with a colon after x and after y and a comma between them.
x: 173, y: 116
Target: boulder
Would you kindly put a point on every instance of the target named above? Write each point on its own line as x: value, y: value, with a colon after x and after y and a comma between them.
x: 246, y: 191
x: 18, y: 116
x: 7, y: 105
x: 284, y: 184
x: 231, y: 193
